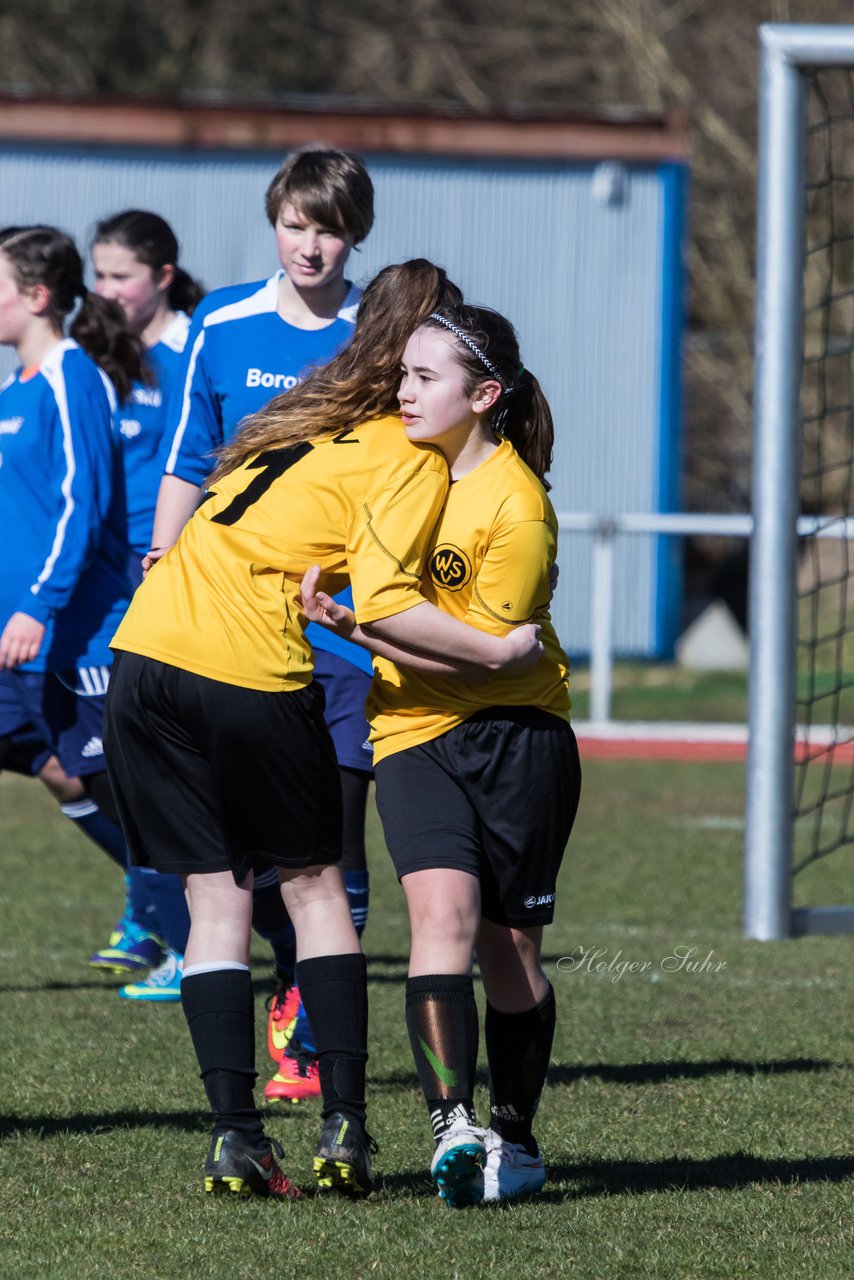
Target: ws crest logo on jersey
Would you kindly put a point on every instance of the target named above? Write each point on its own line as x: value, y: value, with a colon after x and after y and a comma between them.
x: 449, y: 567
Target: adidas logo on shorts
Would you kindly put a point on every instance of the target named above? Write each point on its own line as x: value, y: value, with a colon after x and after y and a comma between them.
x: 94, y: 747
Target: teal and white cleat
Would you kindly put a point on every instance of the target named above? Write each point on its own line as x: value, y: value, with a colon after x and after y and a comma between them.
x: 457, y: 1166
x: 511, y: 1172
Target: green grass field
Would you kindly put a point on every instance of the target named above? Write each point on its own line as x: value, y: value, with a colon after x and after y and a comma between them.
x: 698, y: 1124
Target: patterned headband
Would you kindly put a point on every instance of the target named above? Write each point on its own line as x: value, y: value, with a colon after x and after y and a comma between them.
x: 472, y: 346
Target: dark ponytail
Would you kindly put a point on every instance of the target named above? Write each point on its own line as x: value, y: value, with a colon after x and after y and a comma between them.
x: 153, y: 242
x: 185, y: 293
x: 47, y: 256
x: 489, y: 348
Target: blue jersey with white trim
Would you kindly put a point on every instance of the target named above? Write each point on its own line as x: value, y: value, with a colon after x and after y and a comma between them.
x: 140, y: 425
x: 62, y: 517
x: 240, y: 353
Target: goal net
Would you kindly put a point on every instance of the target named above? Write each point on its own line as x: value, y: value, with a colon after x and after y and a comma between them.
x: 800, y: 815
x: 824, y: 771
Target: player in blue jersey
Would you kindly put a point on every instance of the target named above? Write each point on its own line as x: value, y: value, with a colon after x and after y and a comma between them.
x: 63, y: 581
x: 249, y: 343
x: 135, y: 260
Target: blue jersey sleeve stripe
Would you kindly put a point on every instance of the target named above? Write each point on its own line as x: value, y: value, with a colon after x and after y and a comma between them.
x: 178, y: 437
x: 110, y: 390
x: 259, y: 303
x: 56, y: 380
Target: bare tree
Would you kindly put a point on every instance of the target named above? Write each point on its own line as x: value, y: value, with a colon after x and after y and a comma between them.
x: 698, y: 57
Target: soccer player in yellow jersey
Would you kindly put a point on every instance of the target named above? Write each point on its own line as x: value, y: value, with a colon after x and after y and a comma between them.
x: 216, y: 742
x: 477, y: 783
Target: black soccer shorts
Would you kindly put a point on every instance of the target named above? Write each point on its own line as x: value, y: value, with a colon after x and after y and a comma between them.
x: 496, y: 796
x: 209, y: 776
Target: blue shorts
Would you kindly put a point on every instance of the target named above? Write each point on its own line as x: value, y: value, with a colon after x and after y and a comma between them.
x: 346, y: 688
x: 30, y: 752
x: 60, y: 712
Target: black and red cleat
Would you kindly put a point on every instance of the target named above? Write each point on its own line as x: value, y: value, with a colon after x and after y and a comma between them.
x: 236, y: 1168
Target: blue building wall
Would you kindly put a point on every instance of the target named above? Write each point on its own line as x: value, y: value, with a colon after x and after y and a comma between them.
x: 585, y: 260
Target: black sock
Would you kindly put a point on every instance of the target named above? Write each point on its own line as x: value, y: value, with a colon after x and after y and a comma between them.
x: 518, y: 1046
x: 441, y: 1018
x: 220, y: 1011
x: 334, y: 990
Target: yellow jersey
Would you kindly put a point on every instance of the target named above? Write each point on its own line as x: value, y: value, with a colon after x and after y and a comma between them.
x: 224, y: 601
x: 488, y: 565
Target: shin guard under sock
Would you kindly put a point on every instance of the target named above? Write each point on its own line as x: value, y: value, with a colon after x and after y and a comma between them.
x: 518, y: 1046
x: 220, y: 1011
x: 334, y: 991
x: 441, y: 1018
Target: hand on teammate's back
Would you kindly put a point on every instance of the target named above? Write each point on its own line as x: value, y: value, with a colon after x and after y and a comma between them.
x: 320, y: 607
x: 151, y: 557
x: 525, y: 648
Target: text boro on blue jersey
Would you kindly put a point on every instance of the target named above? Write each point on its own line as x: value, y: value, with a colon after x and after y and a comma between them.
x: 62, y: 511
x: 240, y: 353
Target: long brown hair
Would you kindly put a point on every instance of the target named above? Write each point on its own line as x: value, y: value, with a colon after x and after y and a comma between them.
x: 361, y: 382
x: 47, y: 256
x: 487, y: 346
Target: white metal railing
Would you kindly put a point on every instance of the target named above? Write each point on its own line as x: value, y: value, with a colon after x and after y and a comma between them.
x: 606, y: 530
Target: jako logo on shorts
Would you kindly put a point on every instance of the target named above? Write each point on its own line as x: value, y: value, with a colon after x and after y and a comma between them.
x: 449, y: 567
x: 281, y: 381
x: 543, y: 900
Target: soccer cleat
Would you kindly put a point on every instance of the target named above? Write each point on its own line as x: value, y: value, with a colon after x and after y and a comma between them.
x: 458, y: 1165
x: 296, y: 1078
x: 284, y: 1011
x: 236, y: 1168
x: 511, y: 1172
x: 162, y: 984
x: 130, y: 950
x: 343, y: 1160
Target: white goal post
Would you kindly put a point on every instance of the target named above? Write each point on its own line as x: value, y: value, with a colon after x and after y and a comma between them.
x: 788, y: 53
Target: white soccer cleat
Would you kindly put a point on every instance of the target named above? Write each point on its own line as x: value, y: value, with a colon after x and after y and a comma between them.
x: 458, y: 1166
x: 511, y: 1172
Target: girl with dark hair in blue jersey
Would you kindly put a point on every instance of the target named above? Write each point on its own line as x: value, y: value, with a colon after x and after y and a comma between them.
x: 135, y: 259
x: 65, y: 588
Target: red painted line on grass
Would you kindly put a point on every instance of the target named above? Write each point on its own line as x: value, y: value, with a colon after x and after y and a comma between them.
x: 595, y: 747
x: 659, y: 749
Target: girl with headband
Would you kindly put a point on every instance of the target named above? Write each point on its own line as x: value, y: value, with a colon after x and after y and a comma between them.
x: 477, y: 782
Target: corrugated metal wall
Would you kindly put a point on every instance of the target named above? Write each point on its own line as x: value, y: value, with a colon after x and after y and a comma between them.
x: 580, y: 278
